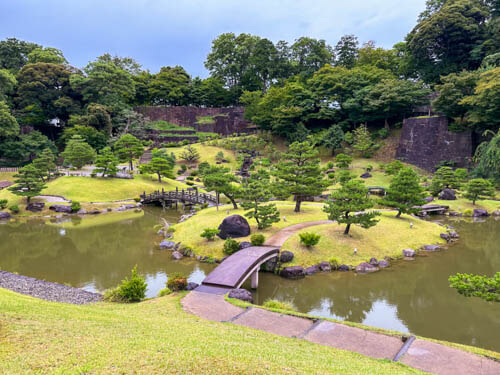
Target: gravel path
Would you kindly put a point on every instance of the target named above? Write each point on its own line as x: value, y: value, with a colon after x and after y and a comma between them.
x: 46, y: 290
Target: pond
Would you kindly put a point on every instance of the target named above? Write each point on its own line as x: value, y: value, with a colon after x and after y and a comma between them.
x: 411, y: 296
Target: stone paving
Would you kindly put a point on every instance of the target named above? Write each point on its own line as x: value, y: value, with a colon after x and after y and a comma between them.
x: 421, y: 354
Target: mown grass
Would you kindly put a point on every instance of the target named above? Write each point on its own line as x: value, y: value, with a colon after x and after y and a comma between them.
x: 462, y: 204
x: 155, y: 337
x: 207, y: 154
x: 388, y: 238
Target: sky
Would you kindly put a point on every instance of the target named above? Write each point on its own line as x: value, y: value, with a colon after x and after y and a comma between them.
x: 160, y: 33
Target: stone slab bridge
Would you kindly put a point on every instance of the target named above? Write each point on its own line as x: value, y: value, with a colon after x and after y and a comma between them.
x: 168, y: 197
x: 237, y: 268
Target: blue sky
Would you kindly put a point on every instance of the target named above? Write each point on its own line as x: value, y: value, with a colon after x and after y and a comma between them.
x: 179, y: 32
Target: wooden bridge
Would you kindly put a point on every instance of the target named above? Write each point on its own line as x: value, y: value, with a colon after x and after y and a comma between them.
x: 237, y: 268
x: 431, y: 209
x: 379, y: 190
x: 168, y: 197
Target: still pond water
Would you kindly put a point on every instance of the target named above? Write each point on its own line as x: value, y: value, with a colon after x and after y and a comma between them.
x: 408, y: 297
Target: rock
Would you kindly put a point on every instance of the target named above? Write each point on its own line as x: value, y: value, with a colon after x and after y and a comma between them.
x: 177, y: 255
x: 192, y: 286
x: 384, y: 264
x: 35, y: 207
x: 82, y: 211
x: 4, y: 215
x: 270, y: 265
x: 325, y: 267
x: 479, y: 212
x: 60, y: 208
x: 447, y: 195
x: 245, y: 244
x: 445, y: 236
x: 343, y: 267
x: 431, y: 248
x: 234, y: 226
x: 454, y: 213
x: 95, y: 211
x: 167, y: 244
x: 312, y: 270
x: 292, y: 272
x: 453, y: 234
x: 428, y: 199
x: 366, y: 268
x: 496, y: 213
x: 241, y: 294
x: 366, y: 175
x: 409, y: 253
x: 286, y: 256
x: 374, y: 262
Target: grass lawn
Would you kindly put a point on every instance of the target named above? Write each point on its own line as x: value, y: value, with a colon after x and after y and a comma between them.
x: 7, y: 176
x: 155, y: 337
x: 208, y: 153
x: 388, y: 238
x: 462, y: 204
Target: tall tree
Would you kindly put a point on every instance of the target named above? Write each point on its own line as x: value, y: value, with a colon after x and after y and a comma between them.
x: 78, y: 153
x: 332, y: 138
x: 170, y: 86
x: 190, y: 154
x: 7, y: 83
x: 45, y: 164
x: 363, y: 142
x: 222, y: 181
x: 444, y: 178
x: 346, y: 51
x: 159, y: 166
x: 8, y: 123
x: 299, y: 174
x: 487, y: 158
x: 479, y: 189
x: 93, y: 137
x: 14, y: 53
x: 27, y: 183
x: 106, y: 162
x: 46, y: 55
x: 128, y: 148
x: 404, y: 192
x: 309, y: 55
x: 347, y: 205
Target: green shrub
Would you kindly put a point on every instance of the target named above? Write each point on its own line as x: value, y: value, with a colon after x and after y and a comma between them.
x: 184, y: 167
x: 394, y: 167
x: 137, y: 200
x: 329, y: 165
x: 257, y: 239
x: 164, y: 292
x: 194, y: 173
x: 190, y: 178
x: 309, y: 239
x: 230, y: 246
x: 382, y: 133
x: 3, y: 203
x: 331, y: 176
x: 279, y: 305
x: 334, y: 262
x: 369, y: 168
x: 130, y: 290
x: 209, y: 233
x: 14, y: 209
x: 170, y: 230
x: 189, y: 183
x: 177, y: 281
x: 75, y: 206
x: 180, y: 171
x: 468, y: 212
x: 93, y: 174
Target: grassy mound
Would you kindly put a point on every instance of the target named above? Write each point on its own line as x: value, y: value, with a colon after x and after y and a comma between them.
x: 155, y: 337
x: 208, y: 153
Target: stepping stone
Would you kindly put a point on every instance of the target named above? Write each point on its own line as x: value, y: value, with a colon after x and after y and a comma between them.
x: 444, y: 360
x: 209, y: 306
x: 354, y: 339
x: 283, y: 325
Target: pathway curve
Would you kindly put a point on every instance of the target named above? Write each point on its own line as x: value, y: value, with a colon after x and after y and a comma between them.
x: 279, y: 238
x: 420, y: 354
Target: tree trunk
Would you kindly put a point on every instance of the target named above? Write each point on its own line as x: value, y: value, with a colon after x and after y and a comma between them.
x: 131, y: 165
x: 297, y: 203
x: 386, y: 124
x: 398, y: 214
x: 159, y: 177
x: 235, y: 205
x: 346, y: 232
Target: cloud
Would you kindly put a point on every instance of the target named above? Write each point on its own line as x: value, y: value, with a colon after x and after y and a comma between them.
x: 169, y: 32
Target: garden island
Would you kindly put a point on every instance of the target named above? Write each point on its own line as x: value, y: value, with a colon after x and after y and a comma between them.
x: 306, y: 208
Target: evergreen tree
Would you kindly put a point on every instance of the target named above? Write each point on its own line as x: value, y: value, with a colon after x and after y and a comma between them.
x: 347, y: 205
x: 106, y: 162
x: 28, y: 182
x: 444, y: 178
x: 256, y: 190
x: 363, y: 142
x: 299, y: 174
x: 222, y: 181
x: 487, y: 157
x: 479, y: 189
x: 45, y: 164
x: 128, y: 148
x: 160, y: 166
x: 190, y: 154
x: 78, y: 153
x: 343, y: 160
x: 8, y: 123
x: 404, y: 192
x: 333, y: 137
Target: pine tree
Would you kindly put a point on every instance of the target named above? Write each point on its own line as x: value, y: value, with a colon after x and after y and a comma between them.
x: 190, y: 154
x: 106, y: 162
x: 363, y: 142
x: 299, y: 173
x: 404, y: 192
x: 444, y: 178
x: 78, y: 153
x: 28, y: 182
x: 256, y: 190
x: 159, y: 166
x: 128, y: 148
x: 45, y: 164
x: 343, y: 160
x: 479, y: 189
x: 222, y: 181
x: 347, y: 204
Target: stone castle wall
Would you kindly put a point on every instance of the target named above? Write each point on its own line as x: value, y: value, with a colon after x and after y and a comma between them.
x: 426, y: 141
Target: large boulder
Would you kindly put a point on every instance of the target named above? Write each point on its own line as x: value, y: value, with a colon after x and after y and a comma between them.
x: 447, y: 195
x: 241, y: 294
x: 312, y: 270
x: 35, y: 206
x: 60, y: 208
x: 245, y: 244
x: 292, y: 272
x: 429, y: 199
x: 374, y: 262
x: 343, y: 268
x: 4, y: 215
x: 167, y: 245
x: 325, y: 267
x: 286, y: 256
x: 366, y: 175
x: 366, y: 268
x: 409, y: 253
x: 234, y: 226
x: 445, y: 236
x: 177, y: 255
x: 479, y: 212
x: 431, y: 248
x: 384, y: 264
x: 270, y: 265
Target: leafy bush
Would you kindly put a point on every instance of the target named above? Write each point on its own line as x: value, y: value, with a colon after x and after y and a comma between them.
x: 230, y: 246
x: 189, y: 183
x: 334, y: 262
x: 382, y: 133
x: 369, y: 168
x: 130, y: 290
x: 180, y: 171
x: 14, y: 209
x: 164, y: 292
x: 183, y: 167
x: 329, y: 165
x: 209, y: 233
x: 190, y: 178
x: 170, y: 230
x: 331, y: 176
x: 219, y: 156
x: 309, y: 239
x: 257, y: 239
x: 137, y: 199
x: 75, y: 206
x: 280, y: 305
x: 394, y: 167
x: 177, y: 281
x: 194, y: 173
x: 3, y: 203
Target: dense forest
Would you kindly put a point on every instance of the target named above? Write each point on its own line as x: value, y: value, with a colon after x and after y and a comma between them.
x: 292, y: 90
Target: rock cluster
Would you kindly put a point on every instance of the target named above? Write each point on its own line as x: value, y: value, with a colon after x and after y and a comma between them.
x: 241, y: 294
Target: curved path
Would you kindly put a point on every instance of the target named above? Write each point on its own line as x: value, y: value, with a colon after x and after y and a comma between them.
x: 418, y: 353
x: 279, y: 238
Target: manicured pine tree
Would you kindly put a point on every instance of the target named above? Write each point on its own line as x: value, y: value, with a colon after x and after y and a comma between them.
x: 106, y: 162
x: 222, y: 181
x: 479, y: 189
x: 28, y: 182
x: 347, y: 205
x: 343, y: 161
x: 404, y: 192
x: 257, y: 190
x: 159, y: 166
x: 128, y: 148
x: 45, y: 164
x: 78, y: 153
x: 444, y: 178
x: 299, y: 173
x: 190, y: 154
